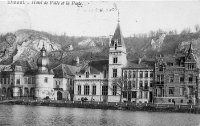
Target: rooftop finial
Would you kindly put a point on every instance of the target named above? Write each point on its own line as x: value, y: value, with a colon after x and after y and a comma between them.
x: 118, y: 20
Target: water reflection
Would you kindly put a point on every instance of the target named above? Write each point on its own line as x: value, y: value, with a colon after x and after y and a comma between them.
x: 48, y: 116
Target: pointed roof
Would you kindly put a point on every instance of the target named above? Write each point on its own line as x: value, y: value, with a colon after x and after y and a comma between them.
x: 118, y: 36
x: 190, y: 56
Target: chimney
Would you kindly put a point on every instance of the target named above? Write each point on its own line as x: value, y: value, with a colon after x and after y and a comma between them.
x: 77, y: 61
x: 110, y: 38
x: 139, y: 60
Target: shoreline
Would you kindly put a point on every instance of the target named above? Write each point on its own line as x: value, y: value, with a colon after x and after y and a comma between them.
x: 169, y: 108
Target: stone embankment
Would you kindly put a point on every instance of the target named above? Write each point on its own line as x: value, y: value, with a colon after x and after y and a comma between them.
x: 109, y: 105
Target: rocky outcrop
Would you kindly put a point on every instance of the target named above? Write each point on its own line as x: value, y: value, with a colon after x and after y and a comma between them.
x: 157, y: 43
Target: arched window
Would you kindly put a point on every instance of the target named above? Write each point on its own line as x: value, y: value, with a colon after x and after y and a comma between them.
x: 87, y: 74
x: 129, y: 85
x: 79, y: 89
x: 129, y: 74
x: 86, y: 89
x: 125, y: 75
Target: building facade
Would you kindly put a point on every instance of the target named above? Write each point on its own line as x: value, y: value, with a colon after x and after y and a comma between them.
x: 138, y: 82
x: 176, y: 78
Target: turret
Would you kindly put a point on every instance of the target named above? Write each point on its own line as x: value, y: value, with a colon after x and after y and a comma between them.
x: 43, y: 61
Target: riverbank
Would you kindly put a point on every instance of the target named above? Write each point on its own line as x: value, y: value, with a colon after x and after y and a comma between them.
x: 110, y: 105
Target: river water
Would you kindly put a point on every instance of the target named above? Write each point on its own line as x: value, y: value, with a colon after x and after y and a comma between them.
x: 19, y: 115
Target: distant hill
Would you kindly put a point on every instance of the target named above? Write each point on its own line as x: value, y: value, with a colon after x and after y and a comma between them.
x: 25, y: 45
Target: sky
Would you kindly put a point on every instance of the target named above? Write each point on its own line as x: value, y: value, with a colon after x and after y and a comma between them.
x: 82, y: 18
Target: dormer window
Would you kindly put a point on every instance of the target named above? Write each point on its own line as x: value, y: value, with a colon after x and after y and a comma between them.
x: 116, y: 44
x: 190, y: 66
x: 87, y: 74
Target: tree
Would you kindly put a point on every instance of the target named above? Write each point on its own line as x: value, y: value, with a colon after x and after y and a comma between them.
x: 186, y: 31
x: 117, y: 87
x: 197, y: 27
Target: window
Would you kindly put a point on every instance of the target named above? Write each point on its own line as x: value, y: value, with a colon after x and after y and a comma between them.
x: 18, y: 81
x: 29, y: 80
x: 151, y: 83
x: 134, y: 94
x: 79, y: 89
x: 190, y: 78
x: 124, y: 94
x: 79, y: 76
x: 162, y: 78
x: 171, y: 91
x: 8, y: 80
x: 104, y: 90
x: 129, y: 74
x: 134, y: 86
x: 158, y: 78
x: 181, y: 78
x: 151, y: 74
x: 114, y: 90
x: 114, y: 72
x: 94, y: 90
x: 105, y: 73
x: 115, y: 60
x: 94, y: 75
x: 133, y: 74
x: 115, y: 44
x: 25, y: 80
x: 86, y: 89
x: 181, y: 91
x: 1, y: 80
x: 140, y: 95
x: 33, y: 80
x: 125, y: 75
x: 190, y: 66
x: 171, y: 79
x: 141, y: 84
x: 146, y: 85
x: 87, y: 74
x: 141, y: 74
x: 181, y: 101
x: 125, y: 85
x: 46, y: 79
x: 5, y: 81
x: 129, y: 85
x: 146, y: 74
x: 145, y: 94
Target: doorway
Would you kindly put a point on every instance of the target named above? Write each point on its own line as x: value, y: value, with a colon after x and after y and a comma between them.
x: 59, y: 95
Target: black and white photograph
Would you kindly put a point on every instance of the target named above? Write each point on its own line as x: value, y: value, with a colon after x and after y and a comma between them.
x: 99, y: 63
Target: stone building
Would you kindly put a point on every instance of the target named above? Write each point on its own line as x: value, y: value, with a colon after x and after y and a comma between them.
x: 138, y: 81
x: 175, y: 78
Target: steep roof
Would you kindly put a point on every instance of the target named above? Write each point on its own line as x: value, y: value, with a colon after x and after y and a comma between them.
x: 118, y: 36
x: 63, y: 70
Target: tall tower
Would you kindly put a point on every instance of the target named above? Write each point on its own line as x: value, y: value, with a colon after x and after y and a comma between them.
x: 44, y: 77
x: 117, y: 60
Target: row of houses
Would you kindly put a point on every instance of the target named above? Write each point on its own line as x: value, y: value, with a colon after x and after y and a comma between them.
x: 166, y: 79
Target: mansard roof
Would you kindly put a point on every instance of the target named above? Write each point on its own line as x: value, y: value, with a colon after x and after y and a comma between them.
x: 95, y: 66
x: 118, y: 36
x: 144, y: 64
